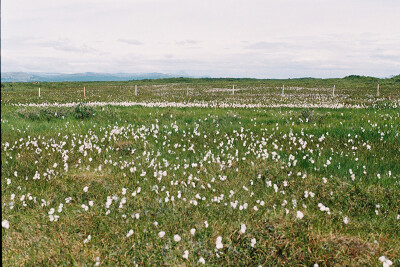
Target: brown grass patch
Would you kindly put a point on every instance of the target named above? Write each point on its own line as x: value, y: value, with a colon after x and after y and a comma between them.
x: 87, y: 176
x: 123, y: 146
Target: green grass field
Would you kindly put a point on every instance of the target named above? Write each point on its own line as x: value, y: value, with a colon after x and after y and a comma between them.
x: 352, y: 90
x: 112, y: 185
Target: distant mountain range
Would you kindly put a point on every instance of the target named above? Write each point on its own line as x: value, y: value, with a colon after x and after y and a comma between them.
x: 84, y: 77
x: 100, y: 77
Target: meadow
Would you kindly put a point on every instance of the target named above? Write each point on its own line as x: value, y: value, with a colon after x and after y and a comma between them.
x: 189, y: 173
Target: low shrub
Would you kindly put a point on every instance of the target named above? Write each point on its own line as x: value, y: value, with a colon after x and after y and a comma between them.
x: 82, y: 111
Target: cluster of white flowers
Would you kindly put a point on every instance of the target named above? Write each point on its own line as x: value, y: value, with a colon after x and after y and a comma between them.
x: 203, y: 105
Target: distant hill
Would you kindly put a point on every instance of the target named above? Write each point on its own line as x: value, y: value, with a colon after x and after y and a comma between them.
x: 84, y: 77
x: 396, y: 78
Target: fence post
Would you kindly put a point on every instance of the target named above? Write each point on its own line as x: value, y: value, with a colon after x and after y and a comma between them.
x: 283, y: 90
x: 233, y: 89
x: 333, y: 91
x: 377, y: 90
x: 84, y: 91
x: 39, y: 91
x: 135, y: 90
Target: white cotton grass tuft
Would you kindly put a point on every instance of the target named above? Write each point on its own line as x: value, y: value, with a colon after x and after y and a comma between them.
x: 218, y: 243
x: 161, y: 234
x: 87, y: 239
x: 202, y: 261
x: 385, y: 261
x: 192, y: 231
x: 299, y: 215
x: 242, y: 228
x: 185, y: 254
x: 346, y: 220
x: 253, y: 242
x: 85, y: 189
x: 5, y: 224
x: 177, y: 238
x: 129, y: 233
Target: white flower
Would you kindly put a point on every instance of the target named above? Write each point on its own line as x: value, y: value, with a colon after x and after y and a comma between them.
x: 161, y: 234
x: 253, y: 242
x: 243, y: 228
x: 5, y: 224
x: 385, y: 261
x: 299, y: 215
x: 218, y: 243
x: 192, y: 231
x: 206, y: 224
x: 346, y: 220
x: 85, y: 189
x: 202, y: 261
x: 185, y: 254
x: 177, y: 238
x: 129, y: 233
x: 91, y: 203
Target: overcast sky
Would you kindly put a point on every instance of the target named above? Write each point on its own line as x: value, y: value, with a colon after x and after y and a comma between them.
x: 217, y: 38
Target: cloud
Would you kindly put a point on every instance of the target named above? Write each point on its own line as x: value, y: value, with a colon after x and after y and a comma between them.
x: 187, y: 42
x: 33, y: 43
x: 268, y: 45
x: 390, y: 58
x: 67, y: 46
x: 131, y: 41
x: 265, y: 38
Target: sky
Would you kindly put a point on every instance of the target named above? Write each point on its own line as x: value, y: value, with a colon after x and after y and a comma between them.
x: 214, y: 38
